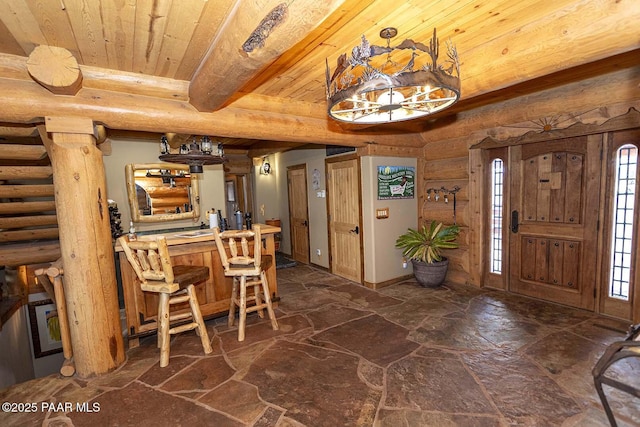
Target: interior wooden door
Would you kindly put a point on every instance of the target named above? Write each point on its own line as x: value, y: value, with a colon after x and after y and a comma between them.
x: 554, y: 219
x: 343, y: 195
x: 298, y: 213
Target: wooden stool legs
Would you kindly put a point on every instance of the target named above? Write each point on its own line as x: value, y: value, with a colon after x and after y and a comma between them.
x: 239, y: 298
x: 267, y: 298
x: 164, y: 318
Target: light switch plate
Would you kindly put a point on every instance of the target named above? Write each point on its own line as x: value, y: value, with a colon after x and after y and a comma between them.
x: 382, y: 213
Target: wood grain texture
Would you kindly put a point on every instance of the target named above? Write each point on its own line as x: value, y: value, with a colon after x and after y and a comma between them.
x: 83, y: 220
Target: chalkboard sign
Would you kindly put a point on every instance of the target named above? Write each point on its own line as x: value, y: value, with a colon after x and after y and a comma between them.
x: 396, y: 182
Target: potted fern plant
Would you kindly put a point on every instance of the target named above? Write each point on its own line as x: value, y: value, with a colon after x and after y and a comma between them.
x: 424, y: 248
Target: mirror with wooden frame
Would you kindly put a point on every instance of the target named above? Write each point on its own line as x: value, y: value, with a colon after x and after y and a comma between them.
x: 162, y: 192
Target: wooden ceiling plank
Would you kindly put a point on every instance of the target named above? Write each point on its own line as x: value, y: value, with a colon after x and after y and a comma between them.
x: 119, y: 19
x: 21, y: 23
x: 86, y: 21
x: 8, y: 44
x: 177, y: 36
x: 151, y: 20
x: 314, y: 41
x: 54, y: 24
x: 556, y: 42
x: 209, y: 23
x: 229, y: 66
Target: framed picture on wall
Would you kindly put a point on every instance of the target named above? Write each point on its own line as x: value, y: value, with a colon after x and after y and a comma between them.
x: 396, y: 182
x: 45, y: 328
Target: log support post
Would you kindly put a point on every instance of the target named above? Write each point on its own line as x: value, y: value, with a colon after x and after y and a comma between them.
x: 85, y: 241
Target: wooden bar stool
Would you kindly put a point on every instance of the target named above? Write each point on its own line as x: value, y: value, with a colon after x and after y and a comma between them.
x: 246, y: 270
x: 174, y: 284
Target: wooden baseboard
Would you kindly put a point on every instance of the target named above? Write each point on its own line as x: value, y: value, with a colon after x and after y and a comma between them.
x: 319, y: 267
x: 387, y: 282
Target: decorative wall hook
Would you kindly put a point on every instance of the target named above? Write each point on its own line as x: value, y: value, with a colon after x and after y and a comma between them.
x: 445, y: 193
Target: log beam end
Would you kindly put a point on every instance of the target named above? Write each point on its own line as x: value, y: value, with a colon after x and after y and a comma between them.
x: 55, y: 69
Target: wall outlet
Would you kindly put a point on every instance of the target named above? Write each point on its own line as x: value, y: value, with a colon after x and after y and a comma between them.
x: 318, y: 252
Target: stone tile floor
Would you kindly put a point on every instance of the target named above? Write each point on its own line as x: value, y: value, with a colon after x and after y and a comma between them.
x: 349, y: 356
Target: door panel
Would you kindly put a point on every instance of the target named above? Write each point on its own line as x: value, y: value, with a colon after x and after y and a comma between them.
x: 343, y: 185
x: 298, y: 213
x: 554, y: 188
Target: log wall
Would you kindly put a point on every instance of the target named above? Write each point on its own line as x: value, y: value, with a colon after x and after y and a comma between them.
x: 448, y: 160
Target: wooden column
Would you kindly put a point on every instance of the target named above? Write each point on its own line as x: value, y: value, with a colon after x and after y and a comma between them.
x: 85, y: 242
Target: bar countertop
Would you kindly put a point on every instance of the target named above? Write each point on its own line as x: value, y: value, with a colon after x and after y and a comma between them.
x: 194, y: 236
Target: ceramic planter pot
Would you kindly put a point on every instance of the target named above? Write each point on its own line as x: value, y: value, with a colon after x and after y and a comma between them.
x: 430, y: 275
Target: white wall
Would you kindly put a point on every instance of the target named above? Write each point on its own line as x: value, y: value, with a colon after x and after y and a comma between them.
x: 383, y: 261
x: 140, y: 151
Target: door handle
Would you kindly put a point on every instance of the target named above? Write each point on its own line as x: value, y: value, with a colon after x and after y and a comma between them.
x: 514, y: 221
x: 355, y: 230
x: 305, y: 223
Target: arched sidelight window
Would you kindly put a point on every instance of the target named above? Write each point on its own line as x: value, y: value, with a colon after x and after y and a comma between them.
x: 497, y: 203
x: 623, y: 222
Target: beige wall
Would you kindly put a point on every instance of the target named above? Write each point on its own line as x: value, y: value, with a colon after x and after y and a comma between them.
x: 383, y: 261
x: 272, y: 192
x: 139, y: 151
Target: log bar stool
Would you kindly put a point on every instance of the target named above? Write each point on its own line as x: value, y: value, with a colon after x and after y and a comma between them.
x: 174, y: 284
x: 246, y: 271
x: 616, y: 351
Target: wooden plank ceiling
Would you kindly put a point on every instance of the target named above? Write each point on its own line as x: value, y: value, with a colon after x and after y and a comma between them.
x: 157, y: 66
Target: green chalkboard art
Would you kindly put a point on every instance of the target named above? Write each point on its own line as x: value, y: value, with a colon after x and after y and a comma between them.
x: 396, y: 182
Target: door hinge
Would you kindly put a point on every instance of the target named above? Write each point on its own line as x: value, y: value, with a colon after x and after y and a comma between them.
x: 598, y: 225
x: 594, y: 293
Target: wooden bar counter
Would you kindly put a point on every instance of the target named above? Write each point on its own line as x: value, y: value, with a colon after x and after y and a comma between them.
x: 195, y: 247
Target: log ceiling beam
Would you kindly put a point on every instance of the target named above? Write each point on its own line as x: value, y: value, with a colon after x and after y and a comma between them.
x: 27, y: 102
x: 234, y: 59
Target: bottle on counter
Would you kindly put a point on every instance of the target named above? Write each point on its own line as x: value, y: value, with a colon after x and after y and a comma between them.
x: 221, y: 224
x: 238, y: 217
x: 247, y: 220
x: 132, y: 232
x: 213, y: 218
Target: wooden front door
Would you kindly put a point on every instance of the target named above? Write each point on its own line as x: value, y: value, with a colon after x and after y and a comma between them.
x: 554, y: 218
x: 298, y: 213
x: 343, y: 188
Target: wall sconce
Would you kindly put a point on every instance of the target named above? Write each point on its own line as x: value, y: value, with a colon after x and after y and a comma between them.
x: 265, y: 168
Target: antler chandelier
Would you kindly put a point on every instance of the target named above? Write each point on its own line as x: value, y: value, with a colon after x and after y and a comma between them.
x: 369, y: 87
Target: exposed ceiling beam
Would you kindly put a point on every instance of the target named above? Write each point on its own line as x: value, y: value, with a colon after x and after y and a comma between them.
x: 255, y: 34
x: 28, y: 102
